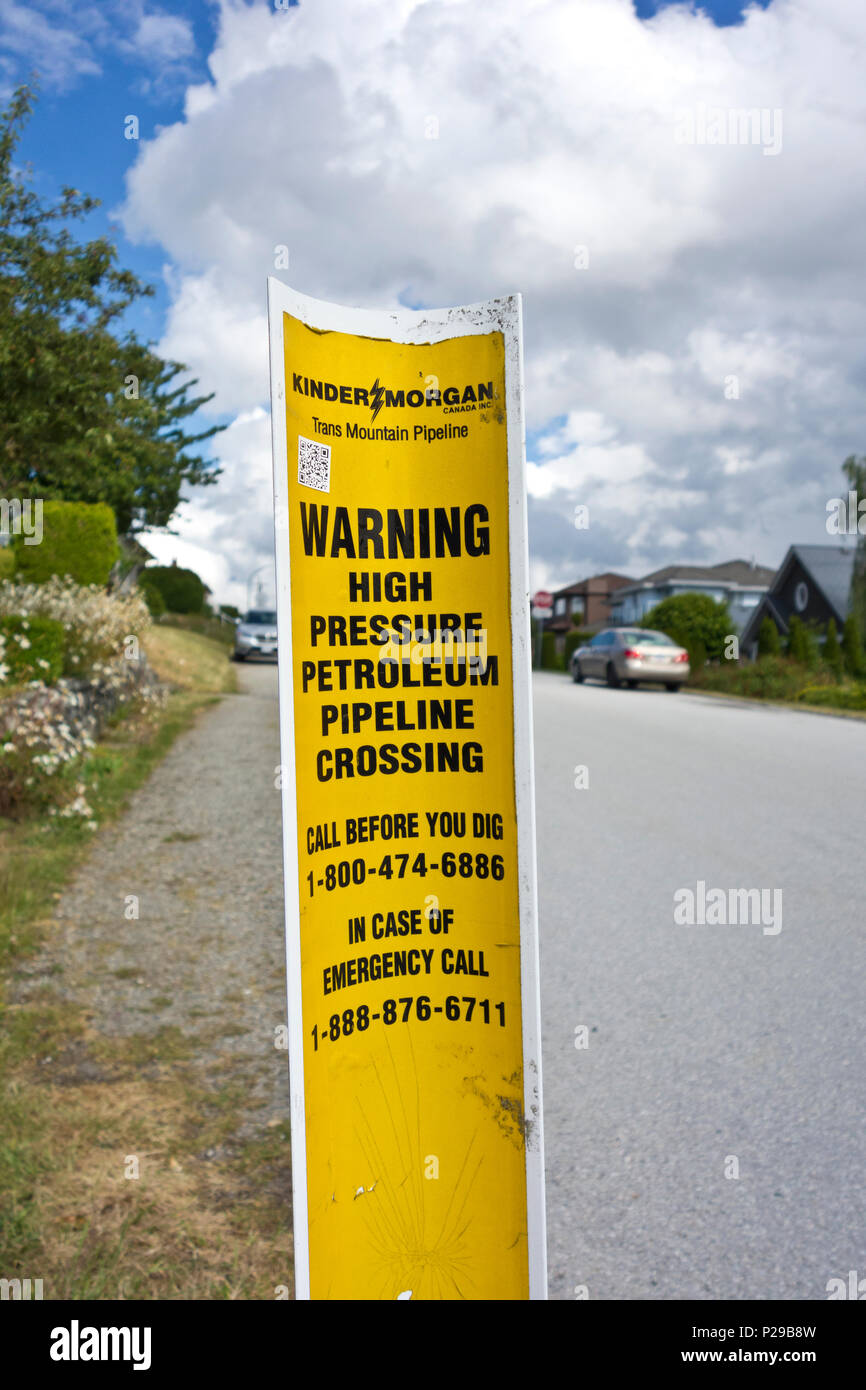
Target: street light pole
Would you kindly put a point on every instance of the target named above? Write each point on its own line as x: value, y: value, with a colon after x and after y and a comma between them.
x: 251, y: 576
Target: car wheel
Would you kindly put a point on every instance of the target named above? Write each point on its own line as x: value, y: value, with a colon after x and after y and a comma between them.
x: 239, y: 656
x: 632, y: 685
x: 577, y: 673
x: 613, y: 679
x: 672, y: 686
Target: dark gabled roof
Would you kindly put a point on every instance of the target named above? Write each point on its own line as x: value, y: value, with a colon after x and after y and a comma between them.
x: 730, y: 571
x: 581, y: 586
x: 831, y: 567
x: 765, y: 609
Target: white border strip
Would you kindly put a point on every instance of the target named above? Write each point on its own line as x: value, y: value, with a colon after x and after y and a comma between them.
x: 422, y: 326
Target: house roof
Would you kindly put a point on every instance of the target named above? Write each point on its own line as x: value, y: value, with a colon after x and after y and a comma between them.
x: 831, y: 567
x: 739, y: 572
x: 616, y: 581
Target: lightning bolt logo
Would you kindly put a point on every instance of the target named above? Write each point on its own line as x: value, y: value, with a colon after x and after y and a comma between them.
x: 376, y: 394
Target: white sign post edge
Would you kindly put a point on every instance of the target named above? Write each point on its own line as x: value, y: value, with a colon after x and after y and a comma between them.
x: 417, y: 326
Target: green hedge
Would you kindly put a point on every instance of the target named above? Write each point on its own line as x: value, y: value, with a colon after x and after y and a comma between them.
x: 78, y: 539
x: 769, y: 641
x: 35, y: 648
x: 550, y: 658
x: 181, y: 589
x: 7, y: 562
x: 836, y: 697
x: 577, y: 638
x: 152, y: 597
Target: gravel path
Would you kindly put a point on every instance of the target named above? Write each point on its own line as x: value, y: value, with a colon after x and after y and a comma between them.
x: 200, y: 848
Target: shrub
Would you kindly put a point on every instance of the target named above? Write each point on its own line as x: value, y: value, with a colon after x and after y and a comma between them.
x: 802, y: 644
x: 34, y: 648
x: 39, y: 739
x: 832, y: 652
x: 846, y: 697
x: 697, y: 654
x: 96, y: 623
x: 852, y: 648
x: 152, y: 597
x: 45, y: 730
x: 771, y: 678
x: 79, y: 539
x: 695, y: 621
x: 573, y: 640
x: 181, y: 589
x: 550, y: 658
x: 769, y: 642
x: 7, y: 562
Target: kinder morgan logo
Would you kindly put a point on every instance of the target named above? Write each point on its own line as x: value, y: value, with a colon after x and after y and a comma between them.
x: 76, y: 1343
x: 377, y: 396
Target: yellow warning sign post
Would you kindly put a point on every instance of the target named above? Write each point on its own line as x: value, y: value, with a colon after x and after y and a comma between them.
x: 408, y: 812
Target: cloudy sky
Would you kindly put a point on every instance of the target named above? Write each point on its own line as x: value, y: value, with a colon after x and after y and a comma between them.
x: 693, y: 283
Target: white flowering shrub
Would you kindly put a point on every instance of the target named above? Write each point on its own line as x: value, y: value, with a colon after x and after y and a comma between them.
x: 95, y: 622
x: 45, y: 730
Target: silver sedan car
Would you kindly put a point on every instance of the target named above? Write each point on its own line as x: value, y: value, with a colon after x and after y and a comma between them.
x: 256, y: 634
x: 632, y: 655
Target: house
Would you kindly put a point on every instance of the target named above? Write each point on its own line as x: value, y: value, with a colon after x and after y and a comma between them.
x: 589, y: 601
x: 739, y: 583
x: 813, y: 582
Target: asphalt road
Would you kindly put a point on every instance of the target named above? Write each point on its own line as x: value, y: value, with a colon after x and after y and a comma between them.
x: 706, y: 1043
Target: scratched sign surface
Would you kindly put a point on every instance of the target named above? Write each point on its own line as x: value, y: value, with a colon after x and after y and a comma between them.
x: 406, y: 815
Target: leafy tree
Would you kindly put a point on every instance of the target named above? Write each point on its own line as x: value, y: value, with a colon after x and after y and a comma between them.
x: 802, y: 645
x: 769, y: 643
x: 86, y: 415
x: 832, y: 651
x: 852, y: 648
x: 696, y: 621
x: 855, y: 471
x: 796, y: 639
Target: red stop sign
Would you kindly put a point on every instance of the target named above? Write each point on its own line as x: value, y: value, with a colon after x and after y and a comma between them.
x: 542, y: 599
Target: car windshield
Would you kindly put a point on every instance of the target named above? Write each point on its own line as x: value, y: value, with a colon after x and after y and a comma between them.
x: 649, y: 639
x: 261, y: 616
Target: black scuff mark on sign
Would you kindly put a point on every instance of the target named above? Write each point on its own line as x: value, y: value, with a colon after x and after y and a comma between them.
x: 507, y: 1110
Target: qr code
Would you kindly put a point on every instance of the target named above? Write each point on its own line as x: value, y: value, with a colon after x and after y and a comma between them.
x: 314, y: 464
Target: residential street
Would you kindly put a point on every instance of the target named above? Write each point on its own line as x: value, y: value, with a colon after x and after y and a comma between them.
x: 707, y: 1043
